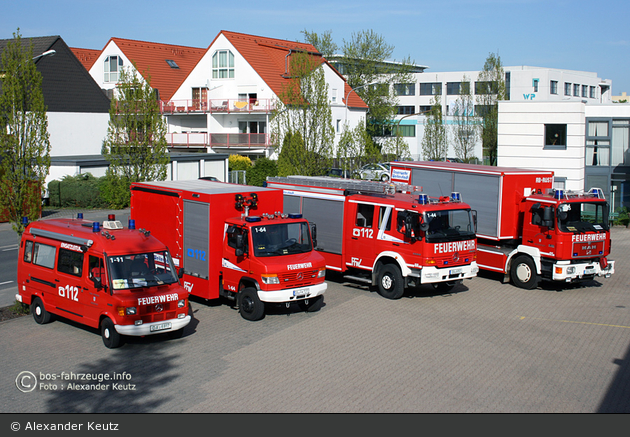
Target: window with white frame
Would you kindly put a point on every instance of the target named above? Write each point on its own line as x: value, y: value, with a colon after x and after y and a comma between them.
x: 223, y: 64
x: 405, y: 89
x: 584, y: 90
x: 576, y: 89
x: 598, y: 143
x: 567, y: 88
x: 592, y: 92
x: 112, y: 68
x: 553, y: 87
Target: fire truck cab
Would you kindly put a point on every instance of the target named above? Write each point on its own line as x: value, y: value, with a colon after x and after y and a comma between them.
x: 386, y: 235
x: 121, y: 281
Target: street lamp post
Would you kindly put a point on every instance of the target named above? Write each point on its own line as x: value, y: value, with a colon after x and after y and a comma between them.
x: 46, y: 53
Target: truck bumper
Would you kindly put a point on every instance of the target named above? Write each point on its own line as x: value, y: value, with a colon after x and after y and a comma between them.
x: 563, y: 271
x: 431, y: 275
x: 153, y: 327
x: 292, y: 294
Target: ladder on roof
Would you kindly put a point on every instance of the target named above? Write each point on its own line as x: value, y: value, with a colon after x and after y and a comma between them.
x: 345, y: 184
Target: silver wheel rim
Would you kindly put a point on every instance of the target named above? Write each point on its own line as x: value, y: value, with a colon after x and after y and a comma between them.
x: 523, y: 272
x: 387, y: 282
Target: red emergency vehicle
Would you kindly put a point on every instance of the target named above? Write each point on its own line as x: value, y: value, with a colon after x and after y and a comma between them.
x: 120, y: 280
x: 386, y: 235
x: 233, y: 241
x: 526, y: 229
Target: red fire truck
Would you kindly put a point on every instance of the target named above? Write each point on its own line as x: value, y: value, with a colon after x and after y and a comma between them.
x: 119, y: 280
x: 390, y: 236
x: 226, y: 252
x: 526, y: 229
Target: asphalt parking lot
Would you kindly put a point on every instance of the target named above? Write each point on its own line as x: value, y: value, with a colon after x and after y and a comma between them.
x: 486, y: 347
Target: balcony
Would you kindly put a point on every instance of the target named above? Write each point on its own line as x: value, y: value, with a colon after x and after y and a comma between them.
x: 217, y: 140
x: 220, y: 106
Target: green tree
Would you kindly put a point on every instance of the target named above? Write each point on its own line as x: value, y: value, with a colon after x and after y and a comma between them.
x: 490, y: 88
x: 466, y: 125
x: 434, y: 145
x: 24, y: 139
x: 323, y: 43
x: 302, y: 122
x: 135, y: 145
x: 372, y: 75
x: 263, y: 167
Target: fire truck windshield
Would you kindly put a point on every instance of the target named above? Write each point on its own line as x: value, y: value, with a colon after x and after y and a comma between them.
x: 583, y: 217
x: 281, y: 239
x: 141, y: 270
x: 451, y: 225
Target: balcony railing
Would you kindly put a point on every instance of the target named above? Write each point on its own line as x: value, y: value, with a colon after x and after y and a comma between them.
x: 224, y: 106
x: 223, y: 140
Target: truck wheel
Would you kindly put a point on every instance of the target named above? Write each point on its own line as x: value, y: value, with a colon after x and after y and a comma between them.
x: 312, y: 305
x: 250, y: 305
x: 111, y: 338
x: 40, y: 315
x: 523, y: 273
x: 390, y: 282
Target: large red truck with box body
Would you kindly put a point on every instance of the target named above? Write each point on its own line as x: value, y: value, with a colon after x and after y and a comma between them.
x: 226, y: 251
x: 385, y: 235
x: 120, y: 280
x: 526, y: 229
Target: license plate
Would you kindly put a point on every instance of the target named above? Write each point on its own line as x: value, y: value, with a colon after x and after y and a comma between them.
x: 454, y: 271
x: 589, y: 271
x: 300, y: 293
x: 160, y: 327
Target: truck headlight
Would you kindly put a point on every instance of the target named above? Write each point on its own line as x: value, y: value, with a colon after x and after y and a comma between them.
x: 270, y: 279
x: 181, y: 303
x: 321, y: 273
x: 127, y: 311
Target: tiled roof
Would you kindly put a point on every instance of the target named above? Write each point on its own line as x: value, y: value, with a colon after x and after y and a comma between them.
x: 86, y: 56
x: 150, y: 60
x: 268, y: 56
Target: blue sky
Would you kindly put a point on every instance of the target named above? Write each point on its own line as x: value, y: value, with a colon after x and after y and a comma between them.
x: 446, y: 35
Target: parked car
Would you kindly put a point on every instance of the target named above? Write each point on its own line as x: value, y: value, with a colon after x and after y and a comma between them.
x: 374, y: 172
x: 339, y: 173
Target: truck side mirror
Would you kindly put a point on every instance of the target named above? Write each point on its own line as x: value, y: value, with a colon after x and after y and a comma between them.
x: 314, y: 234
x: 180, y: 273
x: 474, y: 217
x: 240, y: 246
x: 547, y: 217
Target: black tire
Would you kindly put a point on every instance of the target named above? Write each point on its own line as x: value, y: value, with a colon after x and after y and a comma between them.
x: 111, y: 338
x: 390, y: 282
x: 523, y: 273
x: 312, y: 305
x: 250, y: 306
x: 40, y: 315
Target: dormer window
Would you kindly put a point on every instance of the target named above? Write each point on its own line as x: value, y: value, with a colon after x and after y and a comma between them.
x: 111, y: 69
x: 223, y: 64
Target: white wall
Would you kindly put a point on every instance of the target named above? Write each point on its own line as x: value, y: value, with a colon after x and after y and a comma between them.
x: 74, y: 133
x: 521, y: 138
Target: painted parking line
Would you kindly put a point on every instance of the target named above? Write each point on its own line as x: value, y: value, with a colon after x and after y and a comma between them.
x: 574, y: 321
x: 6, y: 282
x: 7, y: 248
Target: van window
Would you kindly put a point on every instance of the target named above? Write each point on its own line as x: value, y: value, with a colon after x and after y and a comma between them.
x: 70, y: 262
x: 44, y: 255
x: 28, y: 251
x: 365, y: 215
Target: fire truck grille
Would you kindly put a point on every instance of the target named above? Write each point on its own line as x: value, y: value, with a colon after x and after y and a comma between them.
x: 158, y: 312
x: 297, y: 279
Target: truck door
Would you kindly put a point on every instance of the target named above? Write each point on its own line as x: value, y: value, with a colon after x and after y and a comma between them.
x: 72, y: 294
x: 236, y: 254
x: 95, y: 288
x: 538, y: 228
x: 364, y: 231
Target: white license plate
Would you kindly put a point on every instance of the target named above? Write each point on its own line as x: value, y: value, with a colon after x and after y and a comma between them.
x: 300, y: 293
x: 454, y: 271
x: 160, y: 327
x: 589, y: 271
